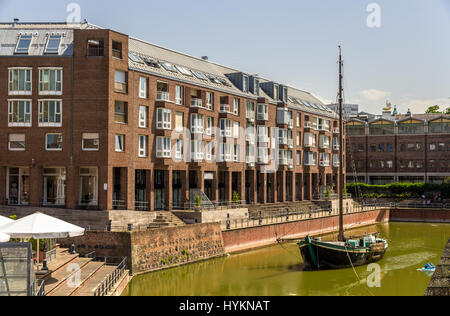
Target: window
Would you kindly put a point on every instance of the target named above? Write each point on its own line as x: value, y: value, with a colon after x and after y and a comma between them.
x: 299, y: 119
x: 179, y: 148
x: 299, y: 139
x: 225, y: 152
x: 120, y: 143
x: 23, y: 44
x: 225, y: 128
x: 121, y: 112
x: 162, y: 147
x: 209, y: 151
x: 117, y: 50
x: 54, y: 186
x: 210, y: 100
x: 299, y: 158
x: 179, y: 119
x: 163, y: 118
x: 246, y: 84
x: 197, y: 123
x: 250, y: 110
x: 309, y: 158
x: 50, y: 113
x: 179, y: 95
x: 209, y: 126
x: 90, y: 142
x: 143, y: 140
x: 120, y: 81
x: 236, y: 129
x: 50, y: 81
x: 262, y: 112
x: 236, y: 106
x: 53, y: 44
x: 236, y: 153
x: 16, y: 142
x: 197, y: 150
x: 53, y: 142
x: 88, y: 186
x: 95, y: 48
x: 20, y: 81
x: 19, y: 113
x: 143, y: 87
x: 381, y: 148
x: 310, y: 140
x: 162, y: 91
x: 143, y: 116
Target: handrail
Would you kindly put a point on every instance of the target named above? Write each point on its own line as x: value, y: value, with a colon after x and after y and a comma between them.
x: 41, y: 290
x: 108, y: 284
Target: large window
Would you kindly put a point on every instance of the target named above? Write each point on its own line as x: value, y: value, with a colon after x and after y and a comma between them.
x: 179, y: 119
x: 262, y: 112
x: 309, y: 158
x: 23, y: 44
x: 197, y: 124
x: 143, y: 116
x: 19, y: 113
x: 143, y: 141
x: 95, y: 48
x: 50, y: 81
x: 88, y: 186
x: 310, y: 140
x: 225, y: 128
x: 54, y: 142
x: 381, y: 127
x: 120, y: 143
x: 20, y: 81
x: 16, y: 142
x: 356, y: 129
x: 90, y: 142
x: 163, y: 147
x: 210, y: 100
x: 143, y: 90
x: 120, y: 81
x: 439, y: 126
x: 54, y: 191
x: 411, y: 127
x: 50, y: 113
x: 121, y: 112
x: 163, y: 119
x: 179, y: 95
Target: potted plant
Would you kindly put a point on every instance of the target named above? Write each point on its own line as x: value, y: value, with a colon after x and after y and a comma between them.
x: 328, y: 195
x: 198, y: 203
x: 236, y: 198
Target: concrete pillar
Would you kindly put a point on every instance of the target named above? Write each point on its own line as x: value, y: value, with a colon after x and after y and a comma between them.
x: 129, y: 188
x: 168, y: 189
x: 253, y: 186
x: 283, y: 192
x: 149, y: 182
x: 274, y: 188
x: 307, y: 186
x: 293, y: 185
x: 215, y: 186
x: 241, y: 186
x: 201, y: 180
x: 263, y: 189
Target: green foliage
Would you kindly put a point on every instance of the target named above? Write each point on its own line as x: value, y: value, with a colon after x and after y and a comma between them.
x: 433, y: 110
x: 400, y: 190
x: 198, y: 201
x: 13, y: 217
x: 447, y: 112
x: 236, y: 197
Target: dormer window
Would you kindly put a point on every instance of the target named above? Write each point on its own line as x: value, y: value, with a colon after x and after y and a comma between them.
x: 275, y: 92
x: 245, y: 86
x: 23, y: 44
x: 53, y: 44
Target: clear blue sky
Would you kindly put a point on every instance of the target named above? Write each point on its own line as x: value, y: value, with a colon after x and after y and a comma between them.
x: 406, y: 60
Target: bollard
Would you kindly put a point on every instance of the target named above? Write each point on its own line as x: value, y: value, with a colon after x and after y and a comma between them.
x: 72, y: 249
x: 228, y: 224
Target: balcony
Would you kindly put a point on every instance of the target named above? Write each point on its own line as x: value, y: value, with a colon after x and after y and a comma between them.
x: 310, y: 163
x: 225, y: 108
x: 263, y: 139
x: 324, y: 163
x: 309, y: 145
x: 196, y: 103
x: 263, y: 159
x: 226, y: 133
x: 336, y: 147
x: 291, y: 143
x: 291, y: 124
x: 336, y: 130
x: 336, y: 164
x: 250, y: 138
x: 283, y: 140
x: 262, y: 116
x: 251, y: 116
x: 197, y: 156
x: 162, y: 96
x: 308, y: 124
x: 325, y: 146
x: 120, y: 87
x: 197, y: 129
x: 251, y: 161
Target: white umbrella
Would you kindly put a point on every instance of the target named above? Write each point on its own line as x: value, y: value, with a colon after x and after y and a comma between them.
x: 41, y: 226
x: 4, y: 237
x: 5, y: 220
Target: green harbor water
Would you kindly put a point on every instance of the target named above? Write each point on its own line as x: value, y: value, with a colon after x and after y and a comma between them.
x: 277, y: 270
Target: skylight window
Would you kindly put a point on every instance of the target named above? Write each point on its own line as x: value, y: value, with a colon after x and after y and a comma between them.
x: 199, y: 75
x: 168, y: 67
x: 150, y: 62
x: 23, y: 44
x: 135, y: 58
x: 224, y: 82
x: 184, y: 71
x: 213, y: 78
x: 53, y: 44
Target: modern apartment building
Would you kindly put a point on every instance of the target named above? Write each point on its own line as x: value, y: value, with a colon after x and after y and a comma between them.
x: 399, y: 148
x: 95, y: 119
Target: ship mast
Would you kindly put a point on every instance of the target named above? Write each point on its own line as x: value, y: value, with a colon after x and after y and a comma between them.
x: 341, y: 152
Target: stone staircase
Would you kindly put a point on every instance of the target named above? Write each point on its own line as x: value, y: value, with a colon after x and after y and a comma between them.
x: 166, y: 219
x: 71, y: 275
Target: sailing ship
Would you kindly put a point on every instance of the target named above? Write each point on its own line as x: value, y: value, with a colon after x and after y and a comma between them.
x: 343, y: 253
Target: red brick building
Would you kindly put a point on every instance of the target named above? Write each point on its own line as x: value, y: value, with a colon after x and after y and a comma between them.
x: 96, y: 119
x: 399, y: 148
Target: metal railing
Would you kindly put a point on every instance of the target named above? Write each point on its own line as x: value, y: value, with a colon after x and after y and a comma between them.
x: 119, y: 205
x: 142, y: 206
x: 111, y: 280
x: 38, y: 290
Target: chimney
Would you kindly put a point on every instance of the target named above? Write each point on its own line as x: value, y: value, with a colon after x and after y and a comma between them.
x: 205, y: 58
x: 16, y: 20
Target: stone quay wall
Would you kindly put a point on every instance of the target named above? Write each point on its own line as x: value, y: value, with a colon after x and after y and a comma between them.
x: 440, y: 282
x: 247, y: 238
x: 423, y: 215
x: 192, y: 217
x: 156, y: 249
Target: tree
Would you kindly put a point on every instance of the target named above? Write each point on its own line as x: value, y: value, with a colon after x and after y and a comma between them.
x: 433, y: 110
x: 447, y: 112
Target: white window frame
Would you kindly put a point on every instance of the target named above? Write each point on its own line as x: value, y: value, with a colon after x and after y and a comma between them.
x: 236, y: 129
x: 163, y: 147
x: 30, y: 81
x: 209, y: 151
x: 143, y: 116
x: 209, y: 100
x: 262, y: 111
x: 197, y: 124
x: 53, y: 149
x: 41, y: 113
x: 179, y: 95
x: 227, y: 130
x: 236, y: 106
x: 51, y: 69
x: 143, y: 87
x: 90, y: 136
x: 122, y: 137
x: 50, y: 38
x: 226, y: 152
x: 142, y: 146
x: 29, y: 113
x: 29, y: 46
x: 179, y: 144
x: 17, y: 149
x: 197, y: 152
x: 166, y: 119
x: 209, y: 125
x: 236, y: 152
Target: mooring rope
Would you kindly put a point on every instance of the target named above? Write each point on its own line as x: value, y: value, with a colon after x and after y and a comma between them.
x: 354, y: 270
